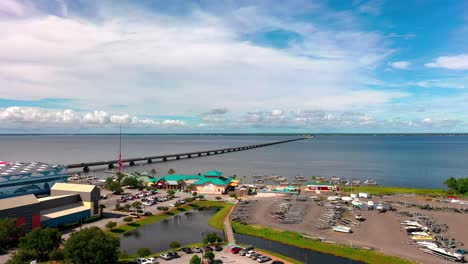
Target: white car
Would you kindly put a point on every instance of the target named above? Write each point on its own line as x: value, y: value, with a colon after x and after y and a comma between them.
x: 249, y: 253
x: 151, y: 261
x: 197, y: 250
x: 171, y: 205
x: 141, y: 260
x: 147, y: 203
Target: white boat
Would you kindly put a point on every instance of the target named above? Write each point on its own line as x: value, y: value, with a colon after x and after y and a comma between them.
x: 342, y: 229
x: 359, y: 217
x: 280, y: 179
x: 426, y: 244
x: 442, y: 253
x: 370, y: 182
x: 420, y: 234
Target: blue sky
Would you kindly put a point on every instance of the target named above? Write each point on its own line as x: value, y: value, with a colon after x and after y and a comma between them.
x: 233, y: 66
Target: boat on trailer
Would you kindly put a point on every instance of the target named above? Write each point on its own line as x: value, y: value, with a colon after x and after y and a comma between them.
x: 442, y: 253
x: 342, y: 229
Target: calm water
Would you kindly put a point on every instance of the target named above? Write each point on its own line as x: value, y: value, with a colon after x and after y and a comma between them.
x: 415, y: 161
x: 301, y: 254
x: 185, y: 229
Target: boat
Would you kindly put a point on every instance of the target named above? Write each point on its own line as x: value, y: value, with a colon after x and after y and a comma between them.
x: 420, y: 233
x: 356, y: 182
x: 422, y: 238
x: 359, y: 217
x: 301, y: 178
x: 442, y: 253
x: 259, y: 181
x: 426, y: 244
x: 370, y: 182
x: 342, y: 229
x: 280, y: 179
x: 335, y: 179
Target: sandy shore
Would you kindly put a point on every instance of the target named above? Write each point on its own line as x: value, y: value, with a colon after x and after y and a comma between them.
x: 379, y: 231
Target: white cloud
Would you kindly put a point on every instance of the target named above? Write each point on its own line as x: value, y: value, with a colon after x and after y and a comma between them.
x: 456, y: 62
x: 427, y: 120
x: 11, y: 7
x: 402, y: 65
x: 36, y: 115
x: 173, y: 123
x: 153, y: 62
x: 277, y: 112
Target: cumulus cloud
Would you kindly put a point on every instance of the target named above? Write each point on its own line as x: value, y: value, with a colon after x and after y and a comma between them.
x: 456, y: 62
x: 36, y: 115
x: 401, y: 65
x: 164, y: 58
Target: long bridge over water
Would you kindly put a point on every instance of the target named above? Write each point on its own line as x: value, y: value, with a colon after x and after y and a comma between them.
x: 177, y: 156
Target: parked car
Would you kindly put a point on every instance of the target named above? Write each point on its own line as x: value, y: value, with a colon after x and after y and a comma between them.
x: 249, y: 247
x: 262, y: 259
x: 249, y: 253
x: 242, y: 252
x: 218, y: 248
x: 171, y: 205
x: 148, y: 213
x: 208, y: 248
x: 277, y: 262
x: 255, y: 255
x: 186, y: 250
x: 166, y: 256
x: 134, y: 215
x: 147, y: 203
x: 152, y: 260
x: 131, y: 262
x: 140, y: 260
x: 235, y: 250
x: 173, y: 254
x: 197, y: 250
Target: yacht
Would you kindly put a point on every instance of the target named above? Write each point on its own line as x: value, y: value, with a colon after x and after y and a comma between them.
x: 342, y: 229
x: 359, y: 217
x: 370, y: 182
x: 440, y: 252
x: 280, y: 179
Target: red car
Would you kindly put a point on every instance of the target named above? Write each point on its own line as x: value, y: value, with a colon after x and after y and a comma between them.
x: 235, y: 250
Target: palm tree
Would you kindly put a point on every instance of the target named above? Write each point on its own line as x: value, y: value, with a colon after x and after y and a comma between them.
x: 181, y: 184
x: 137, y: 206
x: 171, y: 171
x: 153, y: 172
x: 101, y: 206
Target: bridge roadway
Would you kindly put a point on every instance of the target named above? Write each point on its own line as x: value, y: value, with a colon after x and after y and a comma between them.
x: 131, y: 161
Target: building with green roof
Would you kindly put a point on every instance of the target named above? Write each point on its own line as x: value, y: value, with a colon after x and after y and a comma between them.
x: 211, y: 182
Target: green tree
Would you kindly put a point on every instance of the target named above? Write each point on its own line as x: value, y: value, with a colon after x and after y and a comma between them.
x: 9, y: 233
x: 171, y: 171
x: 128, y: 219
x: 452, y: 184
x: 194, y: 194
x: 143, y: 252
x: 56, y: 254
x: 23, y: 256
x: 195, y: 260
x: 91, y: 246
x: 137, y: 206
x: 132, y: 182
x: 211, y: 238
x: 233, y: 195
x: 201, y: 196
x: 111, y: 224
x: 42, y: 240
x: 115, y: 187
x: 108, y: 182
x: 127, y: 207
x: 191, y: 187
x: 313, y: 178
x: 174, y: 245
x: 170, y: 192
x: 209, y: 255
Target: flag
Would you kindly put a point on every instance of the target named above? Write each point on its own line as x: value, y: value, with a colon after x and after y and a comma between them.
x: 120, y: 162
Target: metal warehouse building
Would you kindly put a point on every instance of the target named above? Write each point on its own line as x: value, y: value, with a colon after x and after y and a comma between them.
x: 18, y: 178
x: 68, y: 203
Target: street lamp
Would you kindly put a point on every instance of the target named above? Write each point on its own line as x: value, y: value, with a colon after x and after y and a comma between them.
x: 203, y: 243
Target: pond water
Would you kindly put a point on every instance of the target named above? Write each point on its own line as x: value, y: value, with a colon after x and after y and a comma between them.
x: 185, y: 228
x: 305, y: 255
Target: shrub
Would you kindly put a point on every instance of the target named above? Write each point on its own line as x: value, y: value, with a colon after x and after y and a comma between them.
x: 128, y: 219
x: 143, y: 252
x: 111, y: 224
x: 195, y: 260
x: 209, y: 255
x: 218, y: 198
x: 201, y: 196
x: 194, y: 194
x: 174, y: 245
x: 233, y: 195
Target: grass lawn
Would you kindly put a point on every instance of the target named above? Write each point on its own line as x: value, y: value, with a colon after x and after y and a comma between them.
x: 376, y: 190
x: 294, y: 239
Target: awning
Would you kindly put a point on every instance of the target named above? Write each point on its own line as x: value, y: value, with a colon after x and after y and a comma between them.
x: 172, y: 183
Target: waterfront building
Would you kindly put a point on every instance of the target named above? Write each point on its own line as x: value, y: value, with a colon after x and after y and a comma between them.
x: 211, y: 182
x: 17, y: 179
x: 320, y: 186
x: 68, y: 203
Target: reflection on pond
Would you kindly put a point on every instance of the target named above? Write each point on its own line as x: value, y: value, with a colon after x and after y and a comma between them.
x: 185, y: 228
x: 305, y: 255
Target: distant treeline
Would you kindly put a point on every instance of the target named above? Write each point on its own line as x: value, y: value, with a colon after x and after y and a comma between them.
x: 457, y: 186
